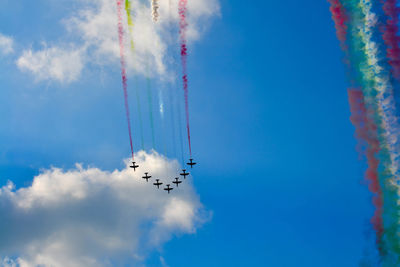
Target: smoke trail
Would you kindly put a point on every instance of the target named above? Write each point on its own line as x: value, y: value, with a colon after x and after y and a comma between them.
x: 123, y: 70
x: 182, y: 32
x: 376, y: 121
x: 161, y: 109
x: 340, y: 19
x: 140, y: 116
x: 128, y: 9
x: 366, y: 131
x: 150, y: 104
x: 180, y: 131
x: 154, y: 10
x: 172, y: 117
x: 390, y: 36
x: 378, y: 98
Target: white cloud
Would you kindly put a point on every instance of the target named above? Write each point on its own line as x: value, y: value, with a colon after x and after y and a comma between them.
x: 63, y: 65
x: 89, y: 217
x: 95, y: 25
x: 6, y: 45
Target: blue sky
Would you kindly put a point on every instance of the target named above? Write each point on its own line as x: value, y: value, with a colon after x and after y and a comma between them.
x: 270, y: 126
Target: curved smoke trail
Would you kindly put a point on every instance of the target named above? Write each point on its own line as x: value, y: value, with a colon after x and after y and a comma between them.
x: 154, y: 10
x: 370, y: 55
x: 123, y: 70
x: 182, y: 33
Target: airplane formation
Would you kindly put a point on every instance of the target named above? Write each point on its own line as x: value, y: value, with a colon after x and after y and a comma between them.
x: 168, y: 187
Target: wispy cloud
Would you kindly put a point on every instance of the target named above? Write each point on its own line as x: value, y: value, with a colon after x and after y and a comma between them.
x: 6, y: 45
x: 95, y: 26
x: 53, y: 63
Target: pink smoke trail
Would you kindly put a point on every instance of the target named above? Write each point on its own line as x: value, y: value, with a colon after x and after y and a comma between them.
x: 182, y: 33
x: 123, y: 70
x: 390, y: 36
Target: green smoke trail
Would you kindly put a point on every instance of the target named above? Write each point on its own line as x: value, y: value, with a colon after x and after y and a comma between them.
x: 140, y: 115
x: 161, y: 109
x: 150, y: 104
x: 128, y: 9
x: 172, y: 116
x: 180, y: 131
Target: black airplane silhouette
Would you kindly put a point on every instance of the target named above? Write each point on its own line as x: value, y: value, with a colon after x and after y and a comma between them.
x: 147, y: 177
x: 157, y: 183
x: 184, y: 174
x: 177, y: 182
x: 191, y: 163
x: 134, y: 166
x: 168, y: 188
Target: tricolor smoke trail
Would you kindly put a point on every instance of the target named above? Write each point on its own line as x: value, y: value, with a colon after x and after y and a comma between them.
x: 182, y: 33
x: 123, y: 70
x: 373, y: 59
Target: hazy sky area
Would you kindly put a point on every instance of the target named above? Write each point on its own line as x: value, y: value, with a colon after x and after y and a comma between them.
x: 278, y: 181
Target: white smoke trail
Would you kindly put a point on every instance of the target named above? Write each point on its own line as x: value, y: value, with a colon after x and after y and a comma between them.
x: 154, y: 10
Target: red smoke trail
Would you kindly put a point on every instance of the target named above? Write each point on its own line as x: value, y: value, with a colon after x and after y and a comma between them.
x: 366, y: 131
x: 123, y: 70
x: 340, y: 19
x: 390, y: 36
x: 182, y: 32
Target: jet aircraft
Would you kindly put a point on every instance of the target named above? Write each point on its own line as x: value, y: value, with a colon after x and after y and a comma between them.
x: 134, y: 166
x: 157, y: 183
x: 147, y: 177
x: 177, y: 182
x: 168, y: 188
x: 184, y: 174
x: 191, y: 163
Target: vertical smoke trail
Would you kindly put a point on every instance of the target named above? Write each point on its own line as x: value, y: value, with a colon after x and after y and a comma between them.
x: 180, y: 131
x: 150, y: 104
x: 172, y: 99
x: 172, y: 117
x: 161, y: 109
x: 366, y: 131
x: 123, y: 70
x: 182, y: 32
x: 128, y: 8
x: 154, y: 10
x: 140, y: 116
x: 390, y: 36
